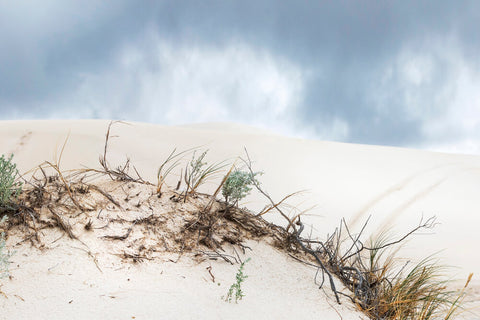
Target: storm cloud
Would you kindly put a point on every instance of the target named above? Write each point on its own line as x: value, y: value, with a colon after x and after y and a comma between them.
x: 392, y: 73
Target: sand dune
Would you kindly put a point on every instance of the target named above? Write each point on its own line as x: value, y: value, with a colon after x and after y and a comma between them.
x: 395, y: 186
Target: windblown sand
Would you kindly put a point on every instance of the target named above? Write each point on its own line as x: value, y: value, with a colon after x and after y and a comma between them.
x: 396, y: 187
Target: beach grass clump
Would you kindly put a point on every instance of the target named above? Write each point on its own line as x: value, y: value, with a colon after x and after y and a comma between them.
x: 9, y: 186
x: 419, y: 292
x: 385, y: 289
x: 199, y: 171
x: 379, y: 283
x: 172, y: 161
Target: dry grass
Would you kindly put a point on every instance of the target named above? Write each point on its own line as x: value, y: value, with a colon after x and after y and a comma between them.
x: 65, y: 201
x: 403, y: 291
x: 173, y: 160
x: 379, y: 284
x: 382, y: 286
x: 198, y: 172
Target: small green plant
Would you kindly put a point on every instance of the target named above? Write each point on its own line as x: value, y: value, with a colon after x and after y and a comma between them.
x: 238, y: 185
x: 8, y: 186
x: 236, y: 288
x: 197, y: 172
x: 4, y: 257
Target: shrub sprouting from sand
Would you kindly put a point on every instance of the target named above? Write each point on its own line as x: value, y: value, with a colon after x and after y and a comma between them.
x: 9, y: 187
x: 9, y: 190
x: 4, y: 256
x: 238, y: 185
x: 378, y: 285
x: 235, y: 290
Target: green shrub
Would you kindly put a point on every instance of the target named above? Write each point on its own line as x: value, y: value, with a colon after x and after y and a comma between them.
x: 237, y: 185
x: 8, y: 186
x: 3, y: 256
x: 236, y: 288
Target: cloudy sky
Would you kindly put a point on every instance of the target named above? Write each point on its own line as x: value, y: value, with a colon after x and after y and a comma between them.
x: 399, y: 73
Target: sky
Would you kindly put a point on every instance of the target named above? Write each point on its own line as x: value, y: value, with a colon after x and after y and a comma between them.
x: 396, y: 73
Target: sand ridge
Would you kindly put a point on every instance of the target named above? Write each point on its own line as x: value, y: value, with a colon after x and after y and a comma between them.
x: 378, y: 181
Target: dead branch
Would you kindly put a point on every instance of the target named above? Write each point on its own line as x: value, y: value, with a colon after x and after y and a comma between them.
x: 214, y: 195
x: 209, y: 269
x: 428, y: 224
x: 121, y: 172
x: 271, y: 207
x: 125, y: 236
x: 291, y: 224
x: 317, y: 258
x: 63, y: 223
x: 135, y: 257
x: 215, y: 255
x: 106, y: 195
x: 248, y: 163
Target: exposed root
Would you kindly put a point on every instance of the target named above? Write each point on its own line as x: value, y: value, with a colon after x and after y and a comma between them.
x: 203, y: 226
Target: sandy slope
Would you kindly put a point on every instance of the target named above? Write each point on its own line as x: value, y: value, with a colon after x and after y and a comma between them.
x: 395, y: 186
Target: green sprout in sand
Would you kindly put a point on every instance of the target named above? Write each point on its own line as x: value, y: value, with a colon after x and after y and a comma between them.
x: 236, y: 288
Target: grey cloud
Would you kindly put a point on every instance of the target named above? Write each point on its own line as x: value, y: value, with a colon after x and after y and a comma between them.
x: 43, y: 49
x: 346, y: 47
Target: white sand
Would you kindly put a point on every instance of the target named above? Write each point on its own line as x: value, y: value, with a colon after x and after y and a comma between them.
x: 395, y: 186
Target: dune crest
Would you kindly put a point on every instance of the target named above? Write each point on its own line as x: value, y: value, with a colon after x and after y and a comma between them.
x: 347, y: 179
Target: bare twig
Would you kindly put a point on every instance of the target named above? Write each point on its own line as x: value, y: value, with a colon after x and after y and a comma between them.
x: 63, y: 223
x: 106, y: 195
x: 317, y: 258
x: 123, y: 237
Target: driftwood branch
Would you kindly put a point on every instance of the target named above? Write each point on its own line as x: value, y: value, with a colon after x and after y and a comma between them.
x: 317, y: 258
x: 296, y: 232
